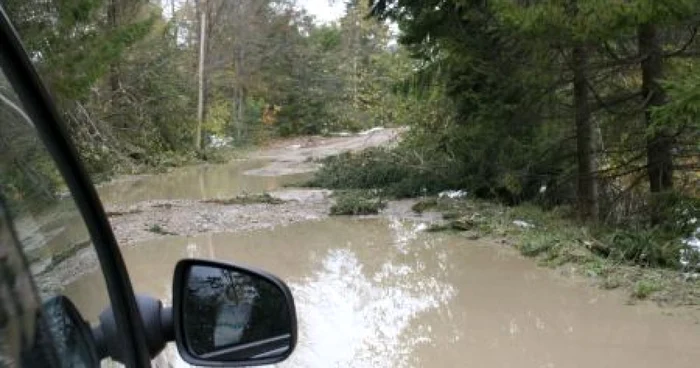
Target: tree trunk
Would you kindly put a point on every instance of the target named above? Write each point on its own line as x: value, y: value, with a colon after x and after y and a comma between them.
x: 191, y: 35
x: 660, y: 143
x: 240, y: 113
x: 174, y: 20
x: 112, y: 10
x: 202, y: 79
x: 659, y: 140
x: 234, y: 111
x: 237, y: 114
x: 587, y: 188
x: 354, y: 81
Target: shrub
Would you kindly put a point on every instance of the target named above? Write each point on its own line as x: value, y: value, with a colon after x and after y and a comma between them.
x: 650, y: 248
x: 537, y: 244
x: 680, y: 212
x: 424, y: 205
x: 644, y: 288
x: 396, y: 172
x: 355, y: 203
x: 158, y: 229
x: 246, y: 199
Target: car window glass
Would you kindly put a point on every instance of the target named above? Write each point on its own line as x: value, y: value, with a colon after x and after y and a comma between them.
x: 18, y: 301
x: 51, y: 232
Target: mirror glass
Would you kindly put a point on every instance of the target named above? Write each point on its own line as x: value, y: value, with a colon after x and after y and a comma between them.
x: 231, y: 315
x: 62, y: 338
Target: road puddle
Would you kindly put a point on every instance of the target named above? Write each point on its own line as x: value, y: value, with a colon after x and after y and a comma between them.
x: 194, y: 182
x: 381, y: 293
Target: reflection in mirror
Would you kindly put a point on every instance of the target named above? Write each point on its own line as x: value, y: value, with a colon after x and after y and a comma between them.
x: 231, y: 314
x: 63, y: 338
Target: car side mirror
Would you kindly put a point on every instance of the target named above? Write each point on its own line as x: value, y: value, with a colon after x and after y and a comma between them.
x: 230, y: 315
x: 62, y: 337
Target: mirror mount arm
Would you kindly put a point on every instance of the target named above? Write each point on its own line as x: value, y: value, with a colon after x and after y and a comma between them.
x: 100, y: 342
x: 166, y: 324
x: 157, y: 322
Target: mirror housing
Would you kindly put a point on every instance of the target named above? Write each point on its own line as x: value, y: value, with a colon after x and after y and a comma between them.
x: 231, y: 315
x: 62, y: 337
x: 157, y: 324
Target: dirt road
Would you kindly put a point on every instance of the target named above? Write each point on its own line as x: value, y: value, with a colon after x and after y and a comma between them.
x: 377, y: 291
x: 187, y: 214
x: 302, y: 155
x: 147, y: 207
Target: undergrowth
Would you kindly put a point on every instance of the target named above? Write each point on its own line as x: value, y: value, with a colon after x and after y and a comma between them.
x: 398, y: 174
x: 158, y: 229
x: 644, y: 261
x: 246, y: 199
x: 625, y: 252
x: 356, y: 203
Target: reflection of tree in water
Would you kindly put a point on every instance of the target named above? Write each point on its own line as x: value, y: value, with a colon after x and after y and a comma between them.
x: 209, y: 291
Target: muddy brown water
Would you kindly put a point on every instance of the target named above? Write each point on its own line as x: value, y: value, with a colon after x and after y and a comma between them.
x: 195, y: 182
x: 381, y: 293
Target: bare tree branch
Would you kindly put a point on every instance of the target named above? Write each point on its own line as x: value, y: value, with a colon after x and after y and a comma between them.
x: 682, y: 49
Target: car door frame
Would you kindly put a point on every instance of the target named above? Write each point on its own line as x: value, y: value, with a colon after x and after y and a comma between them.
x: 40, y: 108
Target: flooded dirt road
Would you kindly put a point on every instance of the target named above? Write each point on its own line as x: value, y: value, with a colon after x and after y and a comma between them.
x: 144, y: 207
x: 268, y: 169
x: 194, y: 182
x: 380, y: 292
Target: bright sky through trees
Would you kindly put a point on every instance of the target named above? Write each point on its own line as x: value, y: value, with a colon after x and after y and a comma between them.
x: 324, y: 10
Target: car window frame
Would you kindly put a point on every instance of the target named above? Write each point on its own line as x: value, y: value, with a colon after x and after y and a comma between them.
x: 40, y: 108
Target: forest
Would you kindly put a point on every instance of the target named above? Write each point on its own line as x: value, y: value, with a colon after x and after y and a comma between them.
x: 150, y: 84
x: 588, y: 105
x: 587, y: 108
x: 593, y: 101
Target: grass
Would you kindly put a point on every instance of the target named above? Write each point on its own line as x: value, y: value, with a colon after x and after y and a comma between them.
x: 645, y: 288
x: 425, y: 205
x: 246, y: 199
x: 644, y: 262
x: 455, y: 223
x: 158, y: 229
x: 122, y: 213
x: 356, y: 203
x: 160, y: 162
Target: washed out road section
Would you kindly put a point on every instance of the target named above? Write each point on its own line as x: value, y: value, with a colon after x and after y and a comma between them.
x: 379, y: 292
x: 376, y: 291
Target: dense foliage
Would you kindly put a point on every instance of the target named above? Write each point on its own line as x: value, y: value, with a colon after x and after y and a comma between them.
x: 556, y: 102
x: 130, y: 75
x: 559, y: 101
